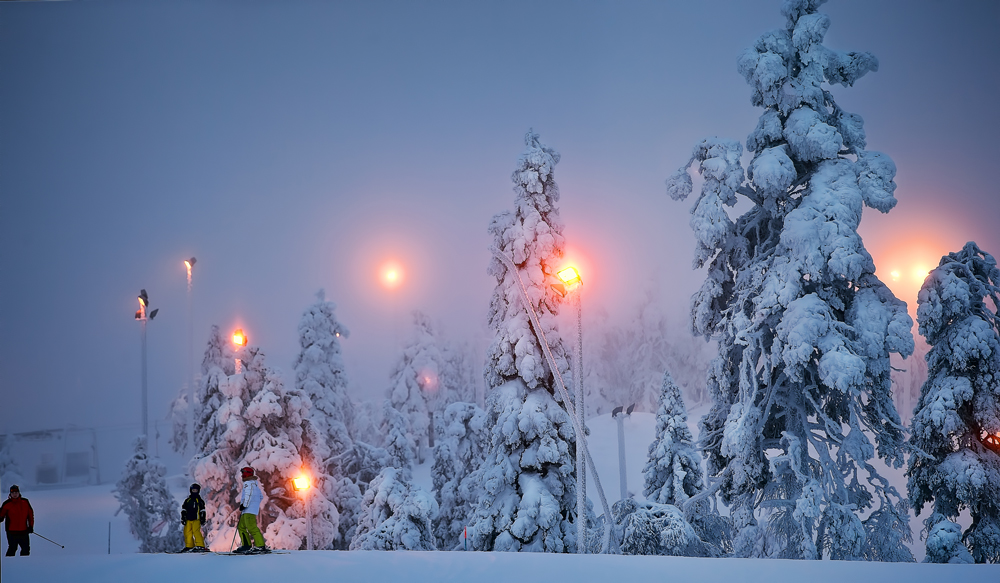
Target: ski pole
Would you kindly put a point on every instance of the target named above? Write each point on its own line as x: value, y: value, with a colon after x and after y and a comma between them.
x: 48, y: 539
x: 232, y: 544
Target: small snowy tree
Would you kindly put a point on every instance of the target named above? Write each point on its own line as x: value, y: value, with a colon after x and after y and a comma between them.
x: 956, y: 424
x: 10, y: 471
x: 416, y: 386
x: 528, y: 500
x: 648, y: 528
x: 458, y: 455
x: 153, y: 514
x: 804, y: 327
x: 398, y: 441
x: 395, y: 515
x: 320, y: 374
x: 944, y: 544
x: 673, y: 470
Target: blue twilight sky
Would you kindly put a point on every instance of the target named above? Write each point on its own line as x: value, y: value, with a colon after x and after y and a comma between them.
x: 299, y: 145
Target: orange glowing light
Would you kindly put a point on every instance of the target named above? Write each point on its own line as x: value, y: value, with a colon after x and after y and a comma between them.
x: 239, y: 338
x: 895, y: 275
x: 569, y: 276
x: 300, y: 483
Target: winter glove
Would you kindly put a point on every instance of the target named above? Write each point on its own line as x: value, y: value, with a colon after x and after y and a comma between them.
x: 184, y: 516
x: 201, y: 517
x: 242, y: 508
x: 31, y: 529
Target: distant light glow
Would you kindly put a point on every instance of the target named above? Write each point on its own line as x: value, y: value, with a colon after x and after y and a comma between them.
x: 239, y: 338
x: 895, y: 275
x: 391, y: 274
x: 428, y: 381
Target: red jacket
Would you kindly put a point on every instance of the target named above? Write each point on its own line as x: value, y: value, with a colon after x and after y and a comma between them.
x: 17, y: 515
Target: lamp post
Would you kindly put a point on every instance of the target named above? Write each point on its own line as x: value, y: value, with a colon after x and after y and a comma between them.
x: 239, y: 340
x: 619, y: 414
x: 610, y: 544
x: 301, y: 484
x: 571, y: 281
x: 192, y: 393
x: 141, y: 316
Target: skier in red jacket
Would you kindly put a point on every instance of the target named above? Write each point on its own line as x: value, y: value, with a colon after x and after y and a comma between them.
x: 19, y: 522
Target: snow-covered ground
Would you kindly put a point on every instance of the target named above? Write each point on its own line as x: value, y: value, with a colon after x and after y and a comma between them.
x: 79, y: 518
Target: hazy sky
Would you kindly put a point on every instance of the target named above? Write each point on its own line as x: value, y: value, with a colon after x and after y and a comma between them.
x: 298, y: 146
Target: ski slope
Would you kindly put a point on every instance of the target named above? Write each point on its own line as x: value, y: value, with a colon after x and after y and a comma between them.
x: 79, y: 519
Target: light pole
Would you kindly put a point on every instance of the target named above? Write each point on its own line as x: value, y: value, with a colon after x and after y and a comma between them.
x: 239, y: 340
x: 609, y: 540
x: 619, y: 414
x: 140, y: 315
x: 571, y: 280
x: 301, y: 484
x: 192, y: 393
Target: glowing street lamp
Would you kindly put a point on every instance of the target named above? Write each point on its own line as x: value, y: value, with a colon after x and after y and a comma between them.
x: 301, y: 484
x: 571, y: 281
x: 141, y: 316
x: 191, y: 393
x: 239, y: 340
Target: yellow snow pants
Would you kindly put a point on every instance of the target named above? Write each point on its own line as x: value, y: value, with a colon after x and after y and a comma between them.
x: 249, y: 533
x: 192, y: 534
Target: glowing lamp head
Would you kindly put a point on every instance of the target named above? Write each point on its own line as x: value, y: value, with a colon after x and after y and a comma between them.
x: 239, y: 338
x: 569, y: 276
x: 300, y: 483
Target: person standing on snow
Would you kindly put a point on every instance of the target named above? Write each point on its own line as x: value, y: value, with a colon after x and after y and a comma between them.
x: 192, y: 517
x: 250, y: 500
x: 19, y: 522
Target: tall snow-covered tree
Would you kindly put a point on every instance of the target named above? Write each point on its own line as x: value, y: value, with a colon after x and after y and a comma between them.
x: 153, y: 513
x: 673, y: 470
x: 216, y: 363
x: 395, y: 515
x: 956, y: 424
x: 804, y: 327
x: 415, y: 387
x: 10, y: 470
x: 458, y: 455
x: 528, y: 500
x: 320, y: 374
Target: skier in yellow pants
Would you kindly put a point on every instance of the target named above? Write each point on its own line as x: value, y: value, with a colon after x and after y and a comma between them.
x: 250, y: 500
x: 193, y: 516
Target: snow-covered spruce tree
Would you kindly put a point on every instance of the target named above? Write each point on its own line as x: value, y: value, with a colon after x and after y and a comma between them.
x: 959, y: 407
x: 415, y: 387
x: 673, y: 468
x: 804, y: 327
x: 944, y: 544
x: 528, y: 497
x: 397, y: 440
x: 153, y: 514
x: 458, y: 455
x: 459, y: 376
x: 319, y: 373
x: 649, y: 528
x: 395, y: 515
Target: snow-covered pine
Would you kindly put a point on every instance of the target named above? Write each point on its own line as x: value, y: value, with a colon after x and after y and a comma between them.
x: 367, y: 423
x: 178, y: 417
x: 804, y: 327
x: 415, y: 386
x: 673, y: 468
x: 649, y: 528
x: 395, y: 515
x: 397, y: 439
x: 153, y: 513
x: 320, y: 374
x: 10, y: 471
x: 528, y: 497
x: 459, y: 454
x: 216, y: 363
x: 959, y: 409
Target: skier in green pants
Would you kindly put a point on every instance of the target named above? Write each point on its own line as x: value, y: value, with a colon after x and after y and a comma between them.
x: 250, y: 500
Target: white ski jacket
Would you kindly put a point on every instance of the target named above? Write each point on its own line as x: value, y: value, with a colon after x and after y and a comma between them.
x: 251, y: 497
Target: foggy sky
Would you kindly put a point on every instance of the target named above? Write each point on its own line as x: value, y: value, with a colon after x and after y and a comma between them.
x: 295, y: 146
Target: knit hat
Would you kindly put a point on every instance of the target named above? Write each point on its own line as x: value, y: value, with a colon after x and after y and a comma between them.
x: 247, y: 472
x: 14, y: 488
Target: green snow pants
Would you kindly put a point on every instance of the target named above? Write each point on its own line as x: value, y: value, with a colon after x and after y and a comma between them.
x: 249, y: 533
